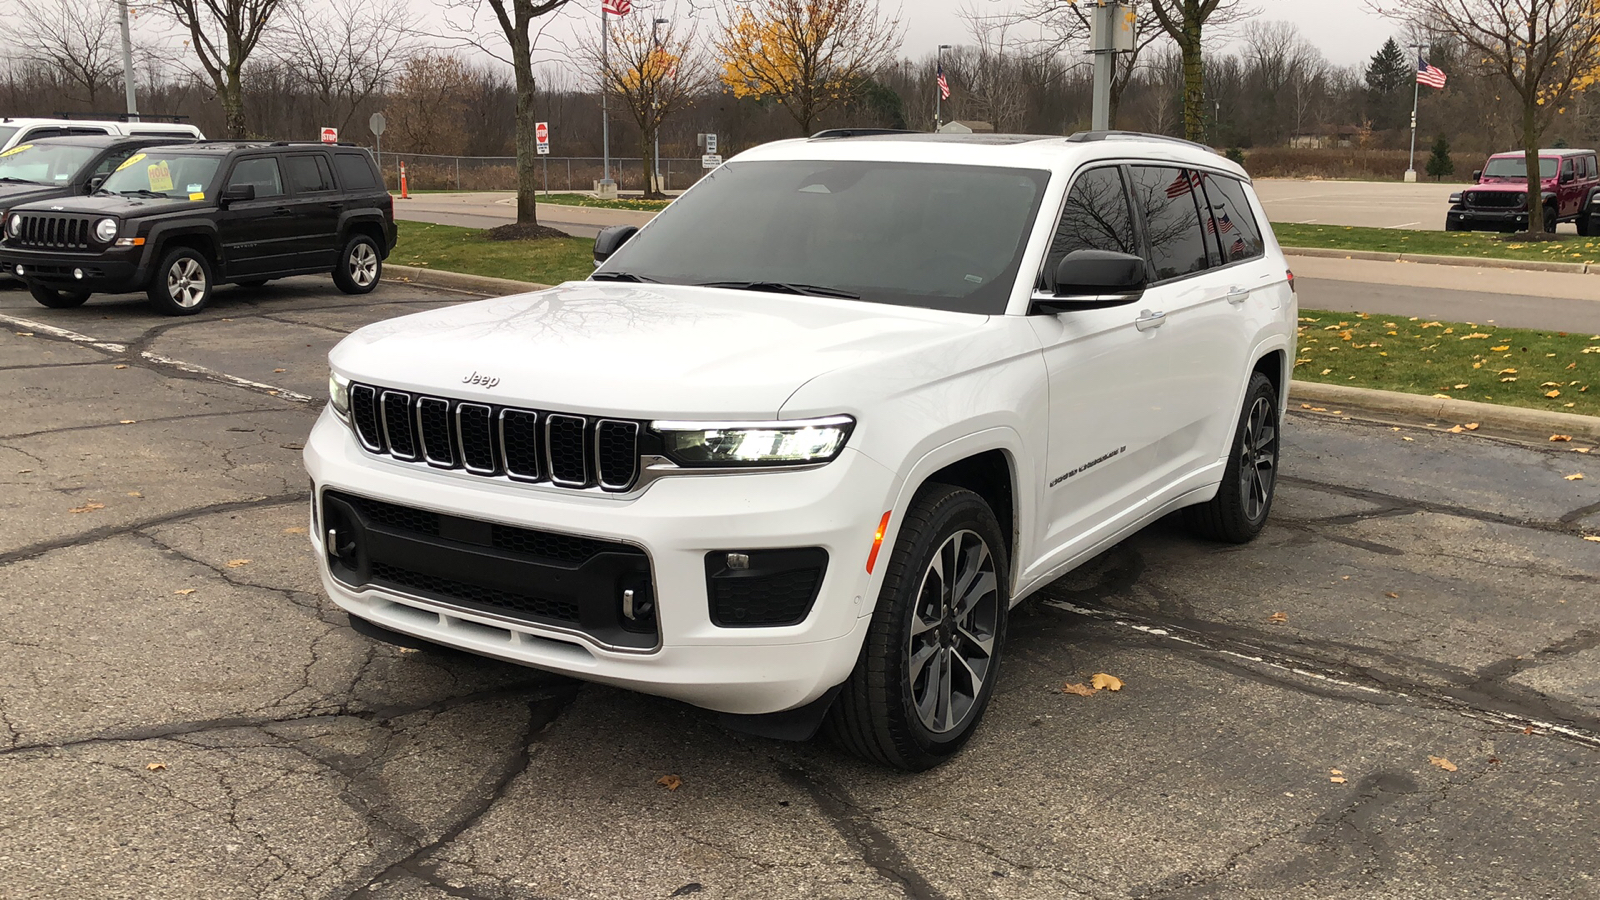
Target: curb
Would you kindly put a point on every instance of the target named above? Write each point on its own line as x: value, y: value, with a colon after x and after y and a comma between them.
x: 1529, y: 265
x: 456, y: 281
x: 1531, y: 422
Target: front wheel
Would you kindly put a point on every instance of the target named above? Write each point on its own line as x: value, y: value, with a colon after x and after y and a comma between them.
x: 1452, y: 225
x: 1549, y: 219
x: 932, y: 653
x: 57, y: 299
x: 182, y: 283
x: 1239, y: 511
x: 360, y: 266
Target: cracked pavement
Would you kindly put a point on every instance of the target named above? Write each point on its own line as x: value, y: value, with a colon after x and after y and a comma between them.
x: 184, y: 715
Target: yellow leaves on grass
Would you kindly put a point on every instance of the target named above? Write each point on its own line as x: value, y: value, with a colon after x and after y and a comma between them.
x: 1501, y: 348
x: 1552, y: 394
x: 1443, y: 763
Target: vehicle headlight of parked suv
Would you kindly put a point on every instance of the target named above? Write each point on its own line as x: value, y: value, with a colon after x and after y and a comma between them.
x: 734, y: 444
x: 339, y: 394
x: 14, y: 227
x: 106, y: 230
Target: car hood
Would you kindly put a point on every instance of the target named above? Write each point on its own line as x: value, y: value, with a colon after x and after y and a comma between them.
x: 106, y: 205
x: 1510, y: 185
x: 640, y: 351
x: 16, y: 194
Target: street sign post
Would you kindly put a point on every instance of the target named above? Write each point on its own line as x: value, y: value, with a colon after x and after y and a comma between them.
x: 378, y: 123
x: 541, y: 134
x: 330, y: 135
x: 711, y: 144
x: 710, y: 161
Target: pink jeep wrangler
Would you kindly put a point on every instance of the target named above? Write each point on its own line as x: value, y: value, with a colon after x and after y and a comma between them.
x: 1569, y: 186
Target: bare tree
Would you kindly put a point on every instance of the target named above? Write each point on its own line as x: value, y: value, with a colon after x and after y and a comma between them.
x: 1185, y: 22
x: 993, y: 77
x: 77, y: 38
x: 428, y: 103
x: 1543, y: 50
x: 343, y: 51
x: 223, y: 34
x: 808, y: 55
x: 1064, y: 29
x: 1283, y: 66
x: 654, y: 71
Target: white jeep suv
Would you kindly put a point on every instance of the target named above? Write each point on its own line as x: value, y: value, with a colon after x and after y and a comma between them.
x: 801, y: 442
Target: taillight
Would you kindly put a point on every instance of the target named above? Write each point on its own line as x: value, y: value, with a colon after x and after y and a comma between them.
x: 1290, y: 273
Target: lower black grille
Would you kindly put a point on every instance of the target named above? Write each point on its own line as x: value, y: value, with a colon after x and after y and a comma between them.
x: 601, y: 588
x: 774, y: 588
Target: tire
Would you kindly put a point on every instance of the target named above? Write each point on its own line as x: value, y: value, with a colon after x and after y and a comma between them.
x: 1549, y: 220
x: 182, y: 283
x: 1452, y: 225
x: 1244, y: 499
x: 57, y: 299
x: 360, y: 265
x: 1589, y: 225
x: 889, y: 711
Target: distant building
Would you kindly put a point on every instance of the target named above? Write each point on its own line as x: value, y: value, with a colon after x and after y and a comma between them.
x: 966, y: 128
x: 1326, y: 136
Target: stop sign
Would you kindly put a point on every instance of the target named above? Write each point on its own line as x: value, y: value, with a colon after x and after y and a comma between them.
x: 541, y: 132
x: 330, y: 135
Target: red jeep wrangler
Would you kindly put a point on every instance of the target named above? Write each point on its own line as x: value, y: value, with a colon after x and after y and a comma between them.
x: 1569, y: 186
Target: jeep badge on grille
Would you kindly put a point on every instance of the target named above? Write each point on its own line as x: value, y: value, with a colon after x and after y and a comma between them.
x: 484, y: 380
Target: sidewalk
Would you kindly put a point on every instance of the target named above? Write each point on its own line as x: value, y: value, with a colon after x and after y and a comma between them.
x: 1491, y: 279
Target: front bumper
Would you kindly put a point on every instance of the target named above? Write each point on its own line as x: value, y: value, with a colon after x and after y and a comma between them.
x: 1502, y: 219
x: 117, y: 270
x: 676, y: 522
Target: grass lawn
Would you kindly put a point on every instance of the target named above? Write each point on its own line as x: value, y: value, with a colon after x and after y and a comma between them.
x: 451, y: 249
x: 586, y: 200
x: 1571, y: 248
x: 1509, y: 366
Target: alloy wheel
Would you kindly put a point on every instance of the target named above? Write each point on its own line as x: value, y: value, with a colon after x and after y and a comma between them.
x: 186, y: 282
x: 953, y: 626
x: 363, y: 264
x: 1258, y: 458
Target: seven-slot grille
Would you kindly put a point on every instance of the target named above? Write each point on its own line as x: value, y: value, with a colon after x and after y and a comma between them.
x: 54, y: 232
x: 1494, y: 199
x: 565, y: 450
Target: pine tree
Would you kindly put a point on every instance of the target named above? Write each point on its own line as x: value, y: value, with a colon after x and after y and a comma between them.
x: 1387, y: 76
x: 1440, y: 164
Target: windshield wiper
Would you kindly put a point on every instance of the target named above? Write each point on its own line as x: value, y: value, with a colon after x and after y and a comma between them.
x: 784, y: 287
x: 620, y: 276
x: 141, y: 192
x: 11, y: 180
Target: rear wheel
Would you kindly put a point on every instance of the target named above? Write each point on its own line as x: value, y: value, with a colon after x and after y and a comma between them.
x: 1239, y: 511
x: 182, y: 283
x: 57, y: 299
x: 1549, y: 218
x: 932, y: 653
x: 1589, y: 225
x: 360, y: 266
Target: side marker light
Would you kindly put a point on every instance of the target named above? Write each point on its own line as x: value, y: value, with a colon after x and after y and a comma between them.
x: 877, y: 541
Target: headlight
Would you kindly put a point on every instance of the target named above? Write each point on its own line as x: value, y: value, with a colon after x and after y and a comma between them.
x: 105, y: 230
x: 734, y: 444
x: 1456, y: 197
x: 15, y: 225
x: 339, y: 393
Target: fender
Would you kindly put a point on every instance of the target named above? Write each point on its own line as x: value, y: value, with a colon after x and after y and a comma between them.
x: 163, y: 232
x: 349, y: 218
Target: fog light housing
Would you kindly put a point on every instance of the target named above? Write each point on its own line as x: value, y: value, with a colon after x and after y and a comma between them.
x: 78, y: 274
x: 19, y: 270
x: 772, y: 589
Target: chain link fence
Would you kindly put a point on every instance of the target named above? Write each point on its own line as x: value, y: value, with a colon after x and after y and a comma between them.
x: 426, y: 172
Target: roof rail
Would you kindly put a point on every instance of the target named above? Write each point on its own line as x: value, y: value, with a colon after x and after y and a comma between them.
x: 858, y: 132
x: 123, y: 117
x: 1084, y: 137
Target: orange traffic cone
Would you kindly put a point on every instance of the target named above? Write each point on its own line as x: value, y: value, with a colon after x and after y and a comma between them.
x: 404, y: 194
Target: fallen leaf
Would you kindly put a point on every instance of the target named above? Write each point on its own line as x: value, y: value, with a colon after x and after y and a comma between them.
x: 155, y: 767
x: 91, y: 506
x: 670, y: 782
x: 1441, y: 396
x: 1407, y: 439
x: 1456, y: 429
x: 1442, y: 763
x: 1500, y: 348
x: 276, y: 371
x: 1109, y: 682
x: 1592, y: 537
x: 1278, y: 617
x: 185, y: 592
x: 1580, y: 449
x: 1392, y: 595
x: 1528, y: 729
x: 1511, y: 378
x: 1076, y: 689
x: 127, y: 421
x: 120, y: 366
x: 1337, y: 779
x: 236, y: 563
x: 295, y: 529
x: 1471, y: 426
x: 135, y: 494
x: 1305, y: 406
x: 1560, y: 437
x: 1552, y: 394
x: 24, y: 334
x: 1326, y: 371
x: 1460, y: 386
x: 1335, y: 772
x: 1575, y: 476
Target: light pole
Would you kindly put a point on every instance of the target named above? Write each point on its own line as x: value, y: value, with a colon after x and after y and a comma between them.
x: 938, y: 90
x: 127, y: 63
x: 655, y: 101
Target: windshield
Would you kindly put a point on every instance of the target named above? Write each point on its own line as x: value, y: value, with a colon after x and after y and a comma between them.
x: 44, y: 163
x: 1517, y: 167
x: 6, y: 131
x: 155, y: 173
x: 915, y: 234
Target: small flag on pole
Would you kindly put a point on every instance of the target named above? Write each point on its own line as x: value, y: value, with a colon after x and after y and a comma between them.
x: 944, y: 84
x: 616, y: 7
x: 1431, y: 76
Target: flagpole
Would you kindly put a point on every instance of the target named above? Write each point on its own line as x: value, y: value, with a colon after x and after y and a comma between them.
x: 1416, y: 91
x: 938, y: 92
x: 605, y: 78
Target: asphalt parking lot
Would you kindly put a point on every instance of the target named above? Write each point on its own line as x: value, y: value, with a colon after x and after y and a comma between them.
x: 1394, y: 693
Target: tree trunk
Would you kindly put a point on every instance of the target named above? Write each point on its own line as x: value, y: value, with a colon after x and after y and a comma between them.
x: 231, y: 94
x: 527, y: 143
x: 647, y: 155
x: 1194, y: 86
x: 1530, y: 152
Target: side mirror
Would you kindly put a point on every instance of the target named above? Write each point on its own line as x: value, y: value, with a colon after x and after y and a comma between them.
x: 94, y: 184
x: 1566, y: 177
x: 1095, y: 279
x: 1477, y: 174
x: 608, y: 241
x: 237, y: 192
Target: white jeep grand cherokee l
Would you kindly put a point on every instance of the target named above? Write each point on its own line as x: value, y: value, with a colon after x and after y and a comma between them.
x: 801, y: 442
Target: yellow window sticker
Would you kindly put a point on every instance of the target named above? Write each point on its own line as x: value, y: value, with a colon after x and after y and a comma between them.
x: 130, y: 161
x: 17, y: 149
x: 197, y: 195
x: 160, y: 177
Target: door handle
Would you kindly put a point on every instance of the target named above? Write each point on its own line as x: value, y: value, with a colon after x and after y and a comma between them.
x: 1148, y: 320
x: 282, y: 211
x: 1238, y: 295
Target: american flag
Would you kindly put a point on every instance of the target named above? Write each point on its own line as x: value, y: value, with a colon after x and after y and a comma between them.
x: 1183, y: 184
x: 1237, y: 249
x: 1429, y: 75
x: 616, y: 7
x: 944, y: 84
x: 1220, y: 223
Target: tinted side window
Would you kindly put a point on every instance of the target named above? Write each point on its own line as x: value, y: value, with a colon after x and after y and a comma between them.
x: 1566, y: 168
x: 262, y: 172
x: 39, y: 133
x: 1166, y: 199
x: 1095, y: 217
x: 355, y: 173
x: 1234, y: 223
x: 112, y: 160
x: 308, y: 173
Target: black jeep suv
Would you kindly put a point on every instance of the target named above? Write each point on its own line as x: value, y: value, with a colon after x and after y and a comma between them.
x: 57, y: 167
x: 175, y: 221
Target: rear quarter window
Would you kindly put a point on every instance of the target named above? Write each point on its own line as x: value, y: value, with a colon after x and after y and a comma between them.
x: 1233, y: 222
x: 355, y: 171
